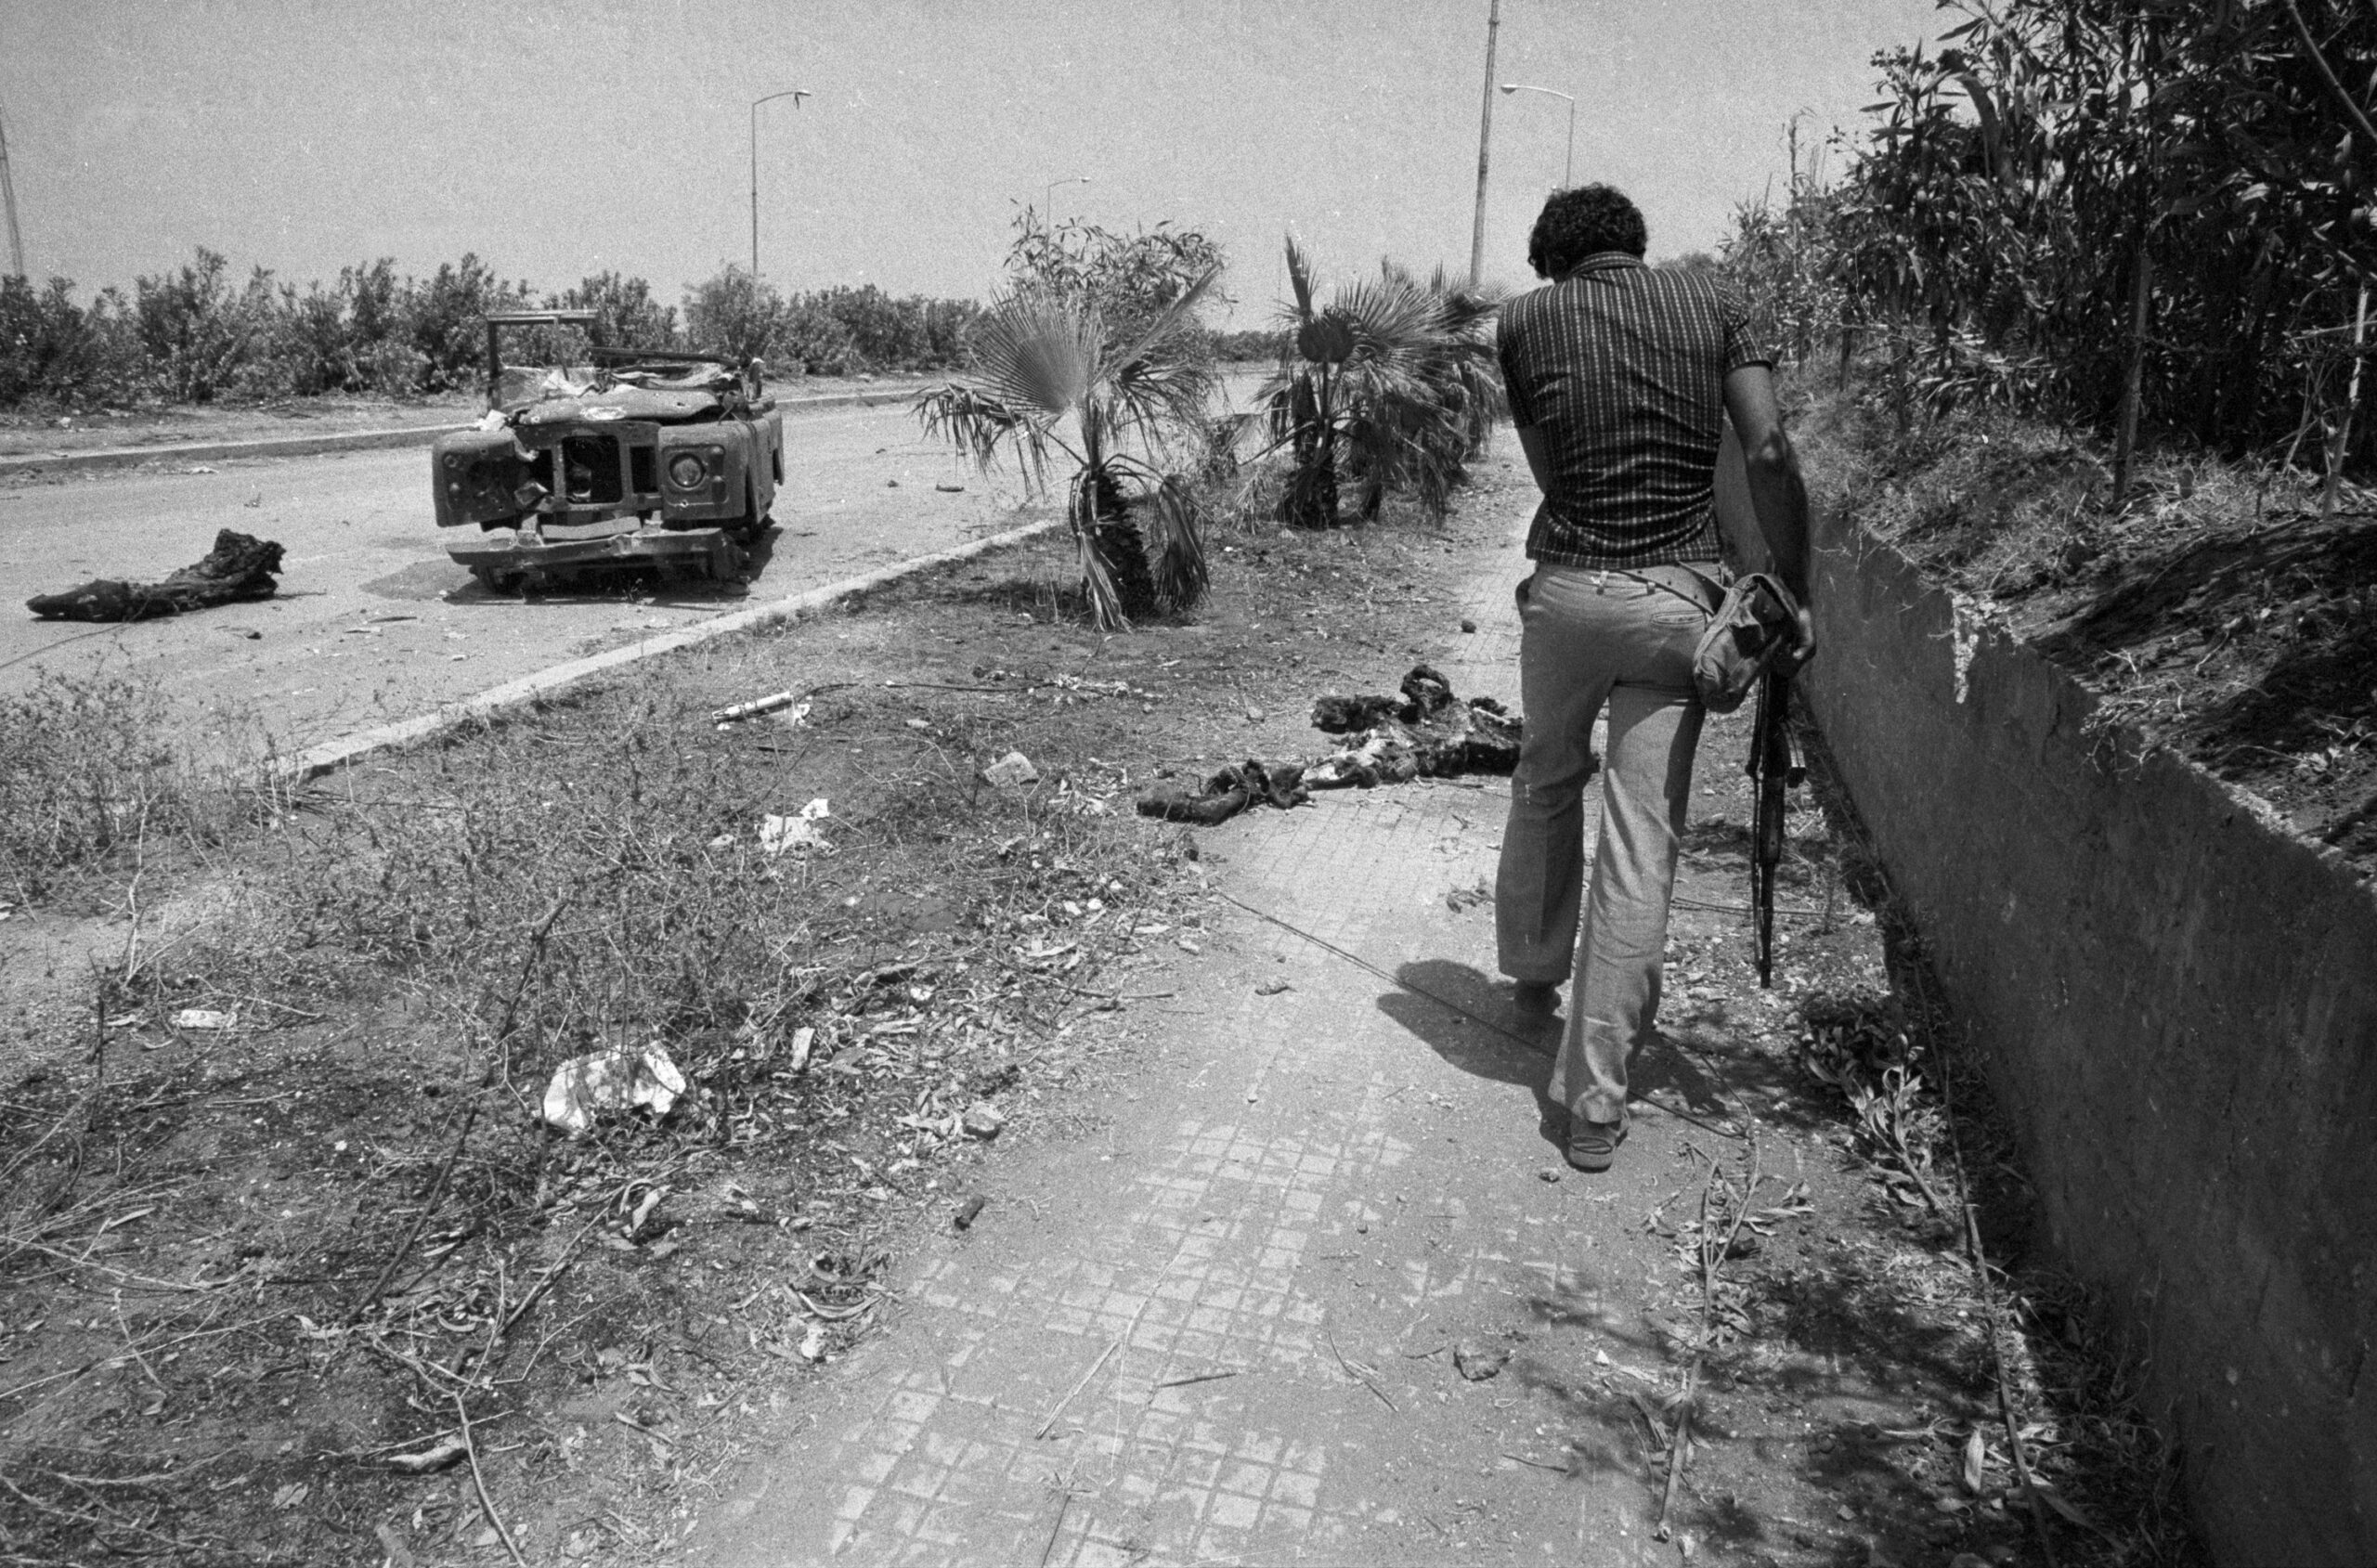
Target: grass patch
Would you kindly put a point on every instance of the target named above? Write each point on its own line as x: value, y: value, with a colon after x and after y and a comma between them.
x: 84, y: 777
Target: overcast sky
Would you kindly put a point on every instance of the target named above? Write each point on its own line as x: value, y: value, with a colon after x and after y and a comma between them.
x: 557, y: 140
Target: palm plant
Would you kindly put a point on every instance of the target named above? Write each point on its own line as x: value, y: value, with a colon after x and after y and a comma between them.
x: 1391, y: 384
x: 1050, y: 377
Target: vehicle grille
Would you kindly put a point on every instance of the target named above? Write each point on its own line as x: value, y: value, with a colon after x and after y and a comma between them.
x: 590, y: 471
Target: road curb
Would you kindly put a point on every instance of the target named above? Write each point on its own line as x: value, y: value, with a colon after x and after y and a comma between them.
x: 341, y: 441
x: 330, y: 756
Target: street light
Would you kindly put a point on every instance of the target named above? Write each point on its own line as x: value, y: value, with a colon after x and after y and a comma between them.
x: 1568, y: 169
x: 1049, y: 196
x: 796, y: 94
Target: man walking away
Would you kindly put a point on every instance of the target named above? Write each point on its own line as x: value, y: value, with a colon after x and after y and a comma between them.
x: 1620, y: 378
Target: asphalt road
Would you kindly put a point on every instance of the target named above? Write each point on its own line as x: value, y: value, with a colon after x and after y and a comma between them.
x: 374, y: 623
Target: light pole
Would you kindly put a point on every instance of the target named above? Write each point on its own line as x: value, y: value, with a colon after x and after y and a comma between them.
x: 1484, y: 135
x: 1567, y: 170
x: 1049, y: 196
x: 796, y: 94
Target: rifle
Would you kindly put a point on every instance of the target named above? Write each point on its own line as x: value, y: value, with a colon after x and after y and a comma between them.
x: 1771, y: 770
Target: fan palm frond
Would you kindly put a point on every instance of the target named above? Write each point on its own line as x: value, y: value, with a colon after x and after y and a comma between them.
x: 1046, y: 366
x: 981, y: 427
x: 1039, y: 352
x: 1300, y: 279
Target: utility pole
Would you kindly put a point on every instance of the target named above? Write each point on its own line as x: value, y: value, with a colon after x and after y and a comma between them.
x: 9, y: 199
x: 796, y: 94
x: 1484, y: 133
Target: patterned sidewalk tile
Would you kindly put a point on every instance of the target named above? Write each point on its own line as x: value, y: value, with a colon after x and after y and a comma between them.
x: 1233, y: 1346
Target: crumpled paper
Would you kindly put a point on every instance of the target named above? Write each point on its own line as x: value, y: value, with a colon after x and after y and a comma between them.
x: 619, y: 1079
x: 797, y: 835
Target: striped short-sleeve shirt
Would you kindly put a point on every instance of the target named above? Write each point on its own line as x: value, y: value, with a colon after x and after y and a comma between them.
x: 1622, y: 366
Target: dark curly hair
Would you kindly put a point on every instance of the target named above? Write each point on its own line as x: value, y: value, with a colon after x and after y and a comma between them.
x: 1580, y: 223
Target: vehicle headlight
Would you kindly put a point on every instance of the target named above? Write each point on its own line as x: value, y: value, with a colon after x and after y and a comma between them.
x: 686, y: 470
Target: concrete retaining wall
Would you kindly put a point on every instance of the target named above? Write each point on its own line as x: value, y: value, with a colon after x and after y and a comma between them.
x: 2179, y: 1004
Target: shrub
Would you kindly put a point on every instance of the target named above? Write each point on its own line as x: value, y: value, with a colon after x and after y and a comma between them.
x: 53, y: 351
x: 2113, y: 212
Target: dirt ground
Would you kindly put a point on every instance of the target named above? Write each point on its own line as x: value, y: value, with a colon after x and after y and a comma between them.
x: 2223, y: 611
x: 292, y: 1273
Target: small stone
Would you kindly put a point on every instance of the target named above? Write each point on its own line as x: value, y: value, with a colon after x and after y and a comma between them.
x: 1468, y: 625
x: 983, y: 1121
x: 1478, y: 1361
x: 1271, y: 988
x: 1547, y: 1175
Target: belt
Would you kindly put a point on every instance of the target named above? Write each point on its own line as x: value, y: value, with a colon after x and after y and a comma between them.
x: 1600, y: 574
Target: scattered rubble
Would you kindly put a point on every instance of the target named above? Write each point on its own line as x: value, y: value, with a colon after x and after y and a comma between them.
x: 1478, y: 1361
x: 237, y: 569
x: 1424, y: 731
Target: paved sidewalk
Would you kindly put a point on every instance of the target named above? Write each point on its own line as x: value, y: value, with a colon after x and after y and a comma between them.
x: 1222, y: 1329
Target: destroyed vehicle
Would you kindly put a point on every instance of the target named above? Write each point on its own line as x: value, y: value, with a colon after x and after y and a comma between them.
x: 661, y: 459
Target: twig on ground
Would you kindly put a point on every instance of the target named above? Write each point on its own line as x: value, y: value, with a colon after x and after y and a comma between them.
x: 470, y: 1451
x: 428, y: 1207
x: 96, y: 1523
x: 124, y: 1275
x: 1055, y: 1530
x: 1114, y: 996
x: 1711, y: 1264
x: 1058, y: 1408
x: 551, y: 1273
x: 1112, y: 1346
x: 1979, y: 1262
x: 1355, y: 1373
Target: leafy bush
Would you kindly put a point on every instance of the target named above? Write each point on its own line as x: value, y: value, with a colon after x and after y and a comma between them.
x: 197, y: 335
x: 52, y: 350
x: 1131, y: 279
x: 2115, y: 213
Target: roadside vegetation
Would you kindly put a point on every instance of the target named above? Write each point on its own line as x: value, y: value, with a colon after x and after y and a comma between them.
x: 198, y: 334
x: 282, y: 1212
x: 1389, y: 384
x: 1095, y: 358
x: 87, y: 775
x: 2082, y: 327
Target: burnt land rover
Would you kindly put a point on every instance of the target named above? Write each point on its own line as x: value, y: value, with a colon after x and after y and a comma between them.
x: 663, y: 459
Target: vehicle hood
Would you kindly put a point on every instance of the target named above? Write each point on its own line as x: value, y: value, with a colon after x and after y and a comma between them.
x: 618, y: 403
x: 570, y: 397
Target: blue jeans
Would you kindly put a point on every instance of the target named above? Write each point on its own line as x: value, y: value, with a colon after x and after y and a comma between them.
x: 1590, y: 637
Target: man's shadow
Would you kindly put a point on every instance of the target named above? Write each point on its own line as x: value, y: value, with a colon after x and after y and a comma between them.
x: 1468, y: 1019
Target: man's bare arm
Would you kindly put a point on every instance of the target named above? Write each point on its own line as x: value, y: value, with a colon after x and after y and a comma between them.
x: 1777, y: 491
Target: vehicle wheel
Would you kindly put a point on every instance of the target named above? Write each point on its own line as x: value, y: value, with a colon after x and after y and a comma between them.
x: 499, y: 579
x: 750, y: 528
